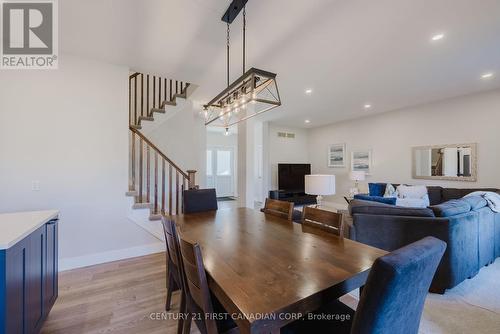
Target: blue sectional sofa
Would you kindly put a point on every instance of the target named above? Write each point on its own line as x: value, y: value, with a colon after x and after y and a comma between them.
x: 468, y: 226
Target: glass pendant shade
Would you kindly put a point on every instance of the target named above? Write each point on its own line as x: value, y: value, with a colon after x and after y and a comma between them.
x: 254, y: 93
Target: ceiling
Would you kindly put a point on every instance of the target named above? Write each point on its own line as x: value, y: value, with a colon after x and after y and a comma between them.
x: 349, y: 52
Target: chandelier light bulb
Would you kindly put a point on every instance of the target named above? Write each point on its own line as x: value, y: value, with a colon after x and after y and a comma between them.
x: 226, y: 132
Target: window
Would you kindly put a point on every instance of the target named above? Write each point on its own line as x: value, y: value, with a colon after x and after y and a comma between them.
x: 223, y: 163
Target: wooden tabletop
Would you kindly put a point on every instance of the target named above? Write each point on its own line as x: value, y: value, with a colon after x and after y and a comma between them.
x: 259, y: 264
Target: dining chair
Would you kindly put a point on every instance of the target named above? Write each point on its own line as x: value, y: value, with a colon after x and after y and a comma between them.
x: 392, y: 300
x: 199, y: 200
x: 200, y: 301
x: 278, y: 208
x: 326, y: 220
x: 174, y: 281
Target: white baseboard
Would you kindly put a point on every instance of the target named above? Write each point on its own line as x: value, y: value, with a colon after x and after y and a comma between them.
x: 110, y: 256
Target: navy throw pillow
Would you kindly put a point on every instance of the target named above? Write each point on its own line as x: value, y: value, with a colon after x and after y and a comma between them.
x: 377, y: 189
x: 378, y: 199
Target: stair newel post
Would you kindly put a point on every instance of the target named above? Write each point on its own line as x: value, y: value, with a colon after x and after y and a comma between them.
x: 163, y: 186
x: 141, y: 149
x: 148, y: 174
x: 191, y: 179
x: 156, y: 182
x: 170, y: 195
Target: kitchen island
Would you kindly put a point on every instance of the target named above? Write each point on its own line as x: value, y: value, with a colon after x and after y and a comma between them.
x: 28, y: 269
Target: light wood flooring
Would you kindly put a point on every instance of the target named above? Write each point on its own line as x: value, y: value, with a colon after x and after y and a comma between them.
x: 116, y: 297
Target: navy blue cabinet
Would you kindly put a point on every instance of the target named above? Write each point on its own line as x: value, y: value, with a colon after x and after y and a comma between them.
x: 28, y: 281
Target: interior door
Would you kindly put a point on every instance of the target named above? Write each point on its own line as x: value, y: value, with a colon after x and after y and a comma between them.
x: 220, y: 170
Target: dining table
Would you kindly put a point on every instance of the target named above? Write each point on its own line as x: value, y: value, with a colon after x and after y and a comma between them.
x: 267, y: 271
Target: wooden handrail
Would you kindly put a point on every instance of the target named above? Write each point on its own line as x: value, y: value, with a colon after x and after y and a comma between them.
x: 155, y: 148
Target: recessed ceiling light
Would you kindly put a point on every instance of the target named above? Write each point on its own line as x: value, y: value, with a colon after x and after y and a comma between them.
x: 307, y: 121
x: 437, y: 37
x: 487, y: 75
x: 309, y: 91
x: 367, y: 106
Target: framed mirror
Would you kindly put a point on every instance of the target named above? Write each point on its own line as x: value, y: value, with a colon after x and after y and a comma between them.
x: 455, y: 162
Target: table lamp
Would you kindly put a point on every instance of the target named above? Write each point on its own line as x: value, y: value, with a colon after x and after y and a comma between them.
x: 356, y: 176
x: 320, y: 185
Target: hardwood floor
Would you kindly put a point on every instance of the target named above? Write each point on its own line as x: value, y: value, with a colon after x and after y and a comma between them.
x: 117, y: 297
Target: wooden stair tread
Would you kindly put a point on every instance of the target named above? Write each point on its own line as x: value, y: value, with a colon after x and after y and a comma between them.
x: 162, y: 111
x: 142, y: 205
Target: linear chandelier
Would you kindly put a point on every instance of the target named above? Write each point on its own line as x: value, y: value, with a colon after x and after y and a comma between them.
x: 253, y: 93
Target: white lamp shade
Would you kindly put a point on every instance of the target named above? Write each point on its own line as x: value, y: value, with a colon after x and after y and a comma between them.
x: 357, y: 175
x: 320, y: 185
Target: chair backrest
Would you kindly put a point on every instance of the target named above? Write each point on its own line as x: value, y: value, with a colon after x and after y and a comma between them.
x: 199, y: 200
x: 326, y: 220
x: 196, y: 281
x: 172, y: 244
x: 394, y: 295
x: 279, y: 208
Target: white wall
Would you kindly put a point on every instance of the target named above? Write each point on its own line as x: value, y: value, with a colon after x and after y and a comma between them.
x: 68, y: 129
x: 286, y: 150
x: 183, y: 139
x: 391, y: 136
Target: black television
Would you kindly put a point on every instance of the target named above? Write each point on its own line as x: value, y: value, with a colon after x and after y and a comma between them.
x: 291, y: 176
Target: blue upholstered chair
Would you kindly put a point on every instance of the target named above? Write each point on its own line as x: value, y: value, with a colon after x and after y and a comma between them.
x: 393, y: 298
x: 199, y: 200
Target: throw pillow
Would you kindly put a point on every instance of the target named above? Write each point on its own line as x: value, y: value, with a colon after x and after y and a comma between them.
x: 390, y: 191
x: 379, y: 199
x: 423, y: 202
x: 376, y: 189
x: 412, y: 191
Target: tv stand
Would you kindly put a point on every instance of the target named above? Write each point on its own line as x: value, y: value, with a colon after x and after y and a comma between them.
x: 298, y: 197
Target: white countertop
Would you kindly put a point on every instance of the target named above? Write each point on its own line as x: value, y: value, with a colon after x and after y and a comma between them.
x: 16, y: 226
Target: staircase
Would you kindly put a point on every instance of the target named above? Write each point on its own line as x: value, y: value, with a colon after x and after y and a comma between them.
x: 156, y: 183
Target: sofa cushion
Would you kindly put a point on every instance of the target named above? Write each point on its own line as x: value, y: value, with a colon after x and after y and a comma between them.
x: 376, y: 189
x: 390, y: 191
x: 454, y: 193
x: 435, y: 196
x: 375, y: 208
x: 379, y: 199
x: 451, y: 208
x: 413, y: 202
x: 476, y: 202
